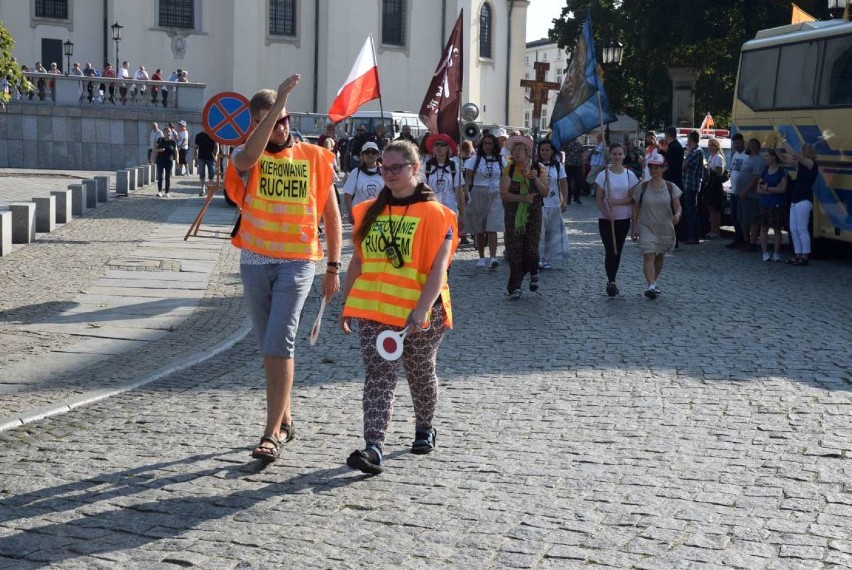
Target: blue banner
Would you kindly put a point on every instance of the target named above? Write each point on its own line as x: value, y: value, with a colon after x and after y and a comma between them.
x: 576, y: 109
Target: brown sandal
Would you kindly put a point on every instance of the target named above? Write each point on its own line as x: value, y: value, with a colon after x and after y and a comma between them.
x: 265, y: 453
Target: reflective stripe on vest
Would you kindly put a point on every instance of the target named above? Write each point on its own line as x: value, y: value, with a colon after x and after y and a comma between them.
x: 285, y: 196
x: 387, y: 294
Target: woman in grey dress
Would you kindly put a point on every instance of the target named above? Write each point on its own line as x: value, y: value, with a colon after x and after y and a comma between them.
x: 656, y: 210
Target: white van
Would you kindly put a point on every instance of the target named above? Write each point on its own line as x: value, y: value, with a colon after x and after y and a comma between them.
x: 394, y: 120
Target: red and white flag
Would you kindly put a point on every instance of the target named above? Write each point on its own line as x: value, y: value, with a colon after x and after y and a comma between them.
x: 361, y: 86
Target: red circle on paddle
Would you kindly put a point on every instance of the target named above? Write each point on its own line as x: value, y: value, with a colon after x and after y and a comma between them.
x: 389, y: 345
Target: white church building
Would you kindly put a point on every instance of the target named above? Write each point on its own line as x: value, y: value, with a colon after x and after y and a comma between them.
x: 245, y: 45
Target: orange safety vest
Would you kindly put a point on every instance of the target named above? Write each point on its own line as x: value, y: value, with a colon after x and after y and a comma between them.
x: 283, y: 201
x: 384, y: 293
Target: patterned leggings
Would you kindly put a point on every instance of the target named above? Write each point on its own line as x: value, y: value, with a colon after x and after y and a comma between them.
x: 418, y: 359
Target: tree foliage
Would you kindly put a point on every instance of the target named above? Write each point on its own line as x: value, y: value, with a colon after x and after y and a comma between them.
x: 8, y: 66
x: 705, y: 35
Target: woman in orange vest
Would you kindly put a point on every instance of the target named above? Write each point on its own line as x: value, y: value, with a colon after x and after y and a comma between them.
x: 397, y: 279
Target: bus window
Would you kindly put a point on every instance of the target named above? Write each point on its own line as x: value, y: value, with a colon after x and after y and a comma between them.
x: 757, y: 77
x: 836, y: 84
x: 797, y: 75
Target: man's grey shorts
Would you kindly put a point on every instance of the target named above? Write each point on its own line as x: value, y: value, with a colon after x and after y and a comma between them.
x: 276, y: 293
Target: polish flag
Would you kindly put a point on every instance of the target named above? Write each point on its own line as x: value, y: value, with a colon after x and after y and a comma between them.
x: 361, y: 86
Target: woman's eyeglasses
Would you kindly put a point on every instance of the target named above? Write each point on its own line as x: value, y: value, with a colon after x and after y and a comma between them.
x: 394, y: 168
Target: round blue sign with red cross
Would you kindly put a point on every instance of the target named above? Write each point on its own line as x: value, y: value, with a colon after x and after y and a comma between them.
x: 227, y: 118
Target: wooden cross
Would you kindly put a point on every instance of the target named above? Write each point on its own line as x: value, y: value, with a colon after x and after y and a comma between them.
x: 539, y: 89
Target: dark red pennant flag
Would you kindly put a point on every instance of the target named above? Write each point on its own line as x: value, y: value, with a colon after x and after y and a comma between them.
x: 440, y: 108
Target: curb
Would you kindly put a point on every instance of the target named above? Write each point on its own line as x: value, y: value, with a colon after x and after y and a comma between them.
x: 93, y: 396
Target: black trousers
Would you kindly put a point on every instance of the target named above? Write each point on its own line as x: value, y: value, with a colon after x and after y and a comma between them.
x: 576, y: 181
x: 612, y: 261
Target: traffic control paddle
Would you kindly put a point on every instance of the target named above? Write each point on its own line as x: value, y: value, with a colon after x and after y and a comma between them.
x: 389, y: 344
x: 316, y: 328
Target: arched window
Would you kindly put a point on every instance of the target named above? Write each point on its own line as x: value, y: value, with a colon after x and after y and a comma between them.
x: 485, y: 29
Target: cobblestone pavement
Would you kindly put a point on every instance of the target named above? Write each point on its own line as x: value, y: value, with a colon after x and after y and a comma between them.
x: 710, y: 428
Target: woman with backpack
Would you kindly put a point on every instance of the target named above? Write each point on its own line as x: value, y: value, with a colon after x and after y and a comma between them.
x: 443, y: 174
x: 553, y: 245
x: 484, y: 214
x: 364, y: 181
x: 656, y: 211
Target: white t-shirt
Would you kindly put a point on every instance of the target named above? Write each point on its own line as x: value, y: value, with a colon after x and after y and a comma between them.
x: 737, y: 161
x: 555, y: 173
x: 619, y: 186
x: 363, y: 185
x: 487, y: 173
x: 716, y: 161
x: 443, y: 183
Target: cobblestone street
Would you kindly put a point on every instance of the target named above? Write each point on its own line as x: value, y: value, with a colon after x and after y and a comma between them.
x: 709, y: 428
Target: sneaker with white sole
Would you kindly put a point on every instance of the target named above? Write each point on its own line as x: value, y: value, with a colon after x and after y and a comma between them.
x: 481, y: 263
x: 776, y: 257
x: 159, y: 194
x: 515, y: 295
x: 651, y: 293
x: 766, y: 256
x: 168, y: 195
x: 493, y: 263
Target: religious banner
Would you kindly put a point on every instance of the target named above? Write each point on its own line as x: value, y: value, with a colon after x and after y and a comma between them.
x: 576, y: 109
x: 440, y: 108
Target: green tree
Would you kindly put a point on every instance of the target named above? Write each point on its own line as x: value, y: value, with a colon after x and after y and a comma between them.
x: 705, y: 35
x: 8, y: 66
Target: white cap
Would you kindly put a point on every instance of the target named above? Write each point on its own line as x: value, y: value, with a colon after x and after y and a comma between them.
x: 182, y: 123
x: 369, y: 145
x: 501, y: 132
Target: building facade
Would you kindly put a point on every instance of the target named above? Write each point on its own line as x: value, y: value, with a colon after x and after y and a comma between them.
x: 559, y: 59
x: 243, y: 45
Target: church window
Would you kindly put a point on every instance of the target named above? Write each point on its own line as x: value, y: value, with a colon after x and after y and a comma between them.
x: 55, y: 9
x: 485, y: 29
x: 394, y: 22
x: 282, y: 17
x: 177, y: 14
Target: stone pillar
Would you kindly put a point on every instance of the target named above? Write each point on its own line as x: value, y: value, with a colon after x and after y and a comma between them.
x: 122, y: 184
x: 63, y: 206
x: 683, y: 95
x: 5, y: 233
x: 45, y: 214
x: 146, y: 174
x: 140, y: 177
x: 23, y: 222
x: 103, y: 188
x: 78, y: 200
x: 91, y: 189
x: 131, y: 178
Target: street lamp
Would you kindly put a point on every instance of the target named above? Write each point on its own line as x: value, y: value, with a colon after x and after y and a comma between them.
x: 69, y: 51
x: 612, y: 53
x: 116, y: 35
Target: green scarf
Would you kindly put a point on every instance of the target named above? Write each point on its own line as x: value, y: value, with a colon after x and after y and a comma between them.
x: 523, y: 211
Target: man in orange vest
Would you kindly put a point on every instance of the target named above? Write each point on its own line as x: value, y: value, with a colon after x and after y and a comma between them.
x: 282, y: 188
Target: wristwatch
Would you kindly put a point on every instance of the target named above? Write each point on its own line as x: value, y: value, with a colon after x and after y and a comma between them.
x: 336, y: 264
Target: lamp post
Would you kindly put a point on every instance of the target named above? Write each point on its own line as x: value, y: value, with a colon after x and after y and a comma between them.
x: 69, y: 51
x: 612, y: 53
x: 116, y: 35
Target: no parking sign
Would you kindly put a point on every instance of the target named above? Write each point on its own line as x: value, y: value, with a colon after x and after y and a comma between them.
x: 227, y: 119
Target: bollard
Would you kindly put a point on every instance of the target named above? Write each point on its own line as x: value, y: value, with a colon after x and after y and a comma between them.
x: 45, y: 214
x: 122, y: 183
x: 140, y: 177
x: 23, y: 222
x: 5, y: 233
x: 103, y: 188
x: 131, y: 178
x: 63, y: 206
x: 91, y: 189
x: 78, y: 200
x: 146, y: 174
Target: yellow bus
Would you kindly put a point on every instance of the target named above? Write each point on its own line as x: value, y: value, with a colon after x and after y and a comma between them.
x: 796, y: 82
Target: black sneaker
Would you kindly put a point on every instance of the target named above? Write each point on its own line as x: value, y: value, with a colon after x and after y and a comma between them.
x: 651, y: 293
x: 611, y: 289
x: 424, y: 441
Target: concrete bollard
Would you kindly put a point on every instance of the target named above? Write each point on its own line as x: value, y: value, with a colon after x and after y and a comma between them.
x: 122, y: 183
x: 140, y: 177
x: 131, y: 178
x: 45, y: 214
x: 91, y: 189
x: 78, y: 199
x: 153, y: 167
x: 23, y: 222
x: 63, y: 206
x: 103, y: 188
x: 5, y: 233
x: 146, y: 174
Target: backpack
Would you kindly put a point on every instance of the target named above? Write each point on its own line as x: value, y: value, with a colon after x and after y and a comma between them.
x: 432, y: 164
x: 476, y: 167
